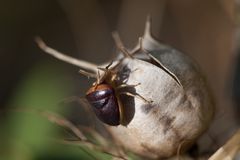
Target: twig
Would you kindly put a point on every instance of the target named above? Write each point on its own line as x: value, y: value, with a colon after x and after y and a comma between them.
x: 80, y: 63
x: 82, y: 139
x: 55, y: 118
x: 88, y: 153
x: 94, y: 147
x: 95, y: 135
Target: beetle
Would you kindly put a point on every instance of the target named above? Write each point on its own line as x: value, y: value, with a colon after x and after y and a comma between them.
x: 103, y: 99
x: 104, y: 103
x: 103, y: 96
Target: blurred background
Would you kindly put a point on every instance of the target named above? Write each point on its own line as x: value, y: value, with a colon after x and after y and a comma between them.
x: 205, y: 30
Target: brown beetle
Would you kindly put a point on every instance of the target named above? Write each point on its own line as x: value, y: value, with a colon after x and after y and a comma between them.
x: 104, y: 103
x: 103, y: 96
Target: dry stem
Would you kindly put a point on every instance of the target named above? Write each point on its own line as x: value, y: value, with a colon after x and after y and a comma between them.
x: 63, y: 57
x: 82, y: 139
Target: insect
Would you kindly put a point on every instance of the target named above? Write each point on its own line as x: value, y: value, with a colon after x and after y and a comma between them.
x: 104, y: 103
x: 104, y: 99
x: 103, y: 96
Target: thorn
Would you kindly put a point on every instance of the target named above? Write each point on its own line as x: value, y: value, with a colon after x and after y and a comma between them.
x: 141, y: 43
x: 120, y: 45
x: 40, y: 42
x: 148, y: 25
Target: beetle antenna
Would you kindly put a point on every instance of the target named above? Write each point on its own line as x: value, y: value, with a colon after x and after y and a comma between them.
x: 120, y: 45
x: 105, y: 70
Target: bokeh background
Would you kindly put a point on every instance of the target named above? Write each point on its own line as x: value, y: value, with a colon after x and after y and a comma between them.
x: 205, y: 30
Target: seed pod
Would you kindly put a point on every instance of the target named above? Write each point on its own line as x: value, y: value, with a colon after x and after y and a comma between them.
x: 181, y: 108
x: 162, y: 116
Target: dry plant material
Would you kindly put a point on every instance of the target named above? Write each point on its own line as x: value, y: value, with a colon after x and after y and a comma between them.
x: 229, y: 150
x: 79, y: 132
x: 162, y: 98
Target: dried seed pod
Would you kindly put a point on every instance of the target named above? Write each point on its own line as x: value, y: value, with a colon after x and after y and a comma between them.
x: 162, y: 116
x: 182, y: 107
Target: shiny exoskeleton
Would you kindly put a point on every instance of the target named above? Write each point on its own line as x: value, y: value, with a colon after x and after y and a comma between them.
x: 104, y: 103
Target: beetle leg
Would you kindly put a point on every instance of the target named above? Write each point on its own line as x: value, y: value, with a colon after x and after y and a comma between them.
x: 127, y: 85
x: 136, y: 96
